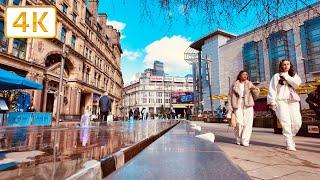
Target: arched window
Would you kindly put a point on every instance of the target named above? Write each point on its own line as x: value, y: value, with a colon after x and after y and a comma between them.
x: 73, y: 41
x: 63, y: 35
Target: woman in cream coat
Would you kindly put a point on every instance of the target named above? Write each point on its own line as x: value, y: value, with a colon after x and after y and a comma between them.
x: 241, y: 102
x: 280, y: 98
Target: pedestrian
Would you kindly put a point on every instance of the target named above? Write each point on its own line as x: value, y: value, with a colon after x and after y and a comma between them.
x: 31, y: 108
x: 136, y: 114
x: 285, y: 101
x: 105, y: 107
x: 241, y: 101
x: 313, y: 100
x: 220, y: 113
x: 172, y: 113
x: 130, y: 114
x: 224, y: 108
x: 188, y: 113
x: 144, y: 113
x: 84, y: 124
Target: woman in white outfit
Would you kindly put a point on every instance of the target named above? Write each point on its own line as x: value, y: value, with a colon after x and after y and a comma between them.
x: 285, y: 102
x: 241, y: 102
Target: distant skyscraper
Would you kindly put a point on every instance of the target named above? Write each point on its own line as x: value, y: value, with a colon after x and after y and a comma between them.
x: 158, y: 68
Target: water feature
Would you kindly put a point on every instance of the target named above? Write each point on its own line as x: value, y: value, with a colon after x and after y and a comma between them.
x: 30, y: 153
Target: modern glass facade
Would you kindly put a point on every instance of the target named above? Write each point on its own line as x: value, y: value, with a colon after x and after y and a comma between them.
x: 310, y: 44
x: 253, y: 62
x: 281, y: 46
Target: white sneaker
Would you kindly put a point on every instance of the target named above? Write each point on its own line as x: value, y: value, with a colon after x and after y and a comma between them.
x: 245, y: 144
x: 291, y: 145
x: 238, y: 141
x: 291, y: 148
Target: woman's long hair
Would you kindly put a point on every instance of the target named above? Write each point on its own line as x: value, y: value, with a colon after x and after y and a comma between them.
x: 240, y: 73
x: 291, y: 70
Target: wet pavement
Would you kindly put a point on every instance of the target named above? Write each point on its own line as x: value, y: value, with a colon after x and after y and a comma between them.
x: 179, y: 154
x: 267, y: 157
x: 28, y: 153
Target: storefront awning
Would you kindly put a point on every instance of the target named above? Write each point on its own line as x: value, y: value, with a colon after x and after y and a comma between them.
x: 220, y: 97
x: 9, y: 81
x: 181, y: 105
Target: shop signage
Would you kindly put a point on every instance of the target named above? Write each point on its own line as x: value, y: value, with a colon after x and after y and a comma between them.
x: 156, y: 78
x: 313, y: 129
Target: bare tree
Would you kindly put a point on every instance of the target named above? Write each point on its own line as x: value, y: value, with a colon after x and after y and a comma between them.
x: 219, y: 13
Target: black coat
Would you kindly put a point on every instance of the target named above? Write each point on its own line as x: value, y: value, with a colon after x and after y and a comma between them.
x: 105, y: 104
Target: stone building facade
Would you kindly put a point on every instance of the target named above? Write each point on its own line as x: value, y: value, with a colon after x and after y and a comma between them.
x: 92, y: 64
x: 295, y: 37
x: 152, y: 92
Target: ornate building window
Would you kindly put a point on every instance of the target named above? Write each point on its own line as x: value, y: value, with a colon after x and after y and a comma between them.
x: 19, y: 48
x: 74, y: 17
x: 73, y: 41
x: 87, y: 75
x: 64, y: 8
x: 75, y: 5
x: 3, y: 39
x: 4, y: 2
x: 63, y: 35
x: 16, y: 2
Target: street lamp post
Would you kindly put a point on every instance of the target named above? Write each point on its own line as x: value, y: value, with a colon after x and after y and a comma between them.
x: 305, y: 69
x: 60, y: 92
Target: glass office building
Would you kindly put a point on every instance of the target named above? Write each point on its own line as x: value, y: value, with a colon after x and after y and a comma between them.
x: 310, y: 44
x: 281, y: 46
x: 253, y: 62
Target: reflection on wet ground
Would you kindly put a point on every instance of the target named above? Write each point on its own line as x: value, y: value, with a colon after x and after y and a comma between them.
x: 29, y: 152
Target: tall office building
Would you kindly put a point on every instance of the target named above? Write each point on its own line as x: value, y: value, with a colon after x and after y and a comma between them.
x: 158, y: 68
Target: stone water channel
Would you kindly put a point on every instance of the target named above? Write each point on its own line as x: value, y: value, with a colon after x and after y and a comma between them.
x: 28, y: 153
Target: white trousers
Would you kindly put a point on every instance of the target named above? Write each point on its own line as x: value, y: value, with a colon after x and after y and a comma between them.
x: 244, y: 117
x: 144, y: 117
x: 290, y: 119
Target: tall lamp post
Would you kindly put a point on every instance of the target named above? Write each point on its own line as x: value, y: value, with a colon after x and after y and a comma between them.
x: 305, y: 69
x: 60, y: 92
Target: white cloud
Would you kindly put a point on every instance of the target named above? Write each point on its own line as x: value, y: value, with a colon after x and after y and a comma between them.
x: 169, y: 50
x: 117, y: 24
x: 131, y: 55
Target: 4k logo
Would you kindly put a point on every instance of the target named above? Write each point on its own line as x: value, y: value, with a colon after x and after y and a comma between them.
x: 30, y: 22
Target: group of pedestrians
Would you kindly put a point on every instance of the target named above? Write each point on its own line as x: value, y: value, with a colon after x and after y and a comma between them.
x: 136, y: 114
x: 282, y: 98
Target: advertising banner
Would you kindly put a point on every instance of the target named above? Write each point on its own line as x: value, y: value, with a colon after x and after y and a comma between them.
x: 182, y: 97
x: 156, y: 78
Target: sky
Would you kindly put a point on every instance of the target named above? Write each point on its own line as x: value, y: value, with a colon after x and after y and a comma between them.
x: 145, y: 38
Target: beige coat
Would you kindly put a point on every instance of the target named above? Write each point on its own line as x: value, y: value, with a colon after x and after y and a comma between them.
x: 249, y: 95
